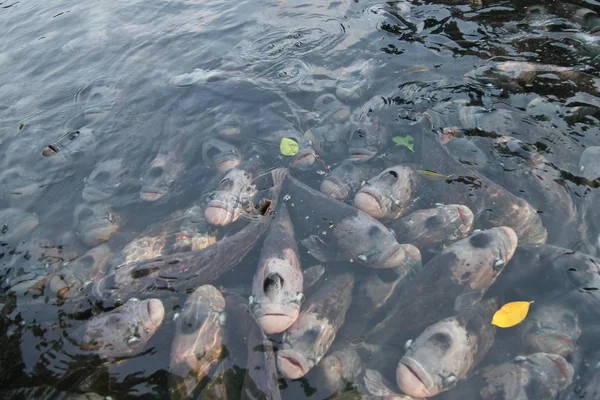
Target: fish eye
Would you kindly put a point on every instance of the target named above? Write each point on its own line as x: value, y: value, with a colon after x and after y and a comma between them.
x: 441, y: 340
x: 226, y: 184
x: 311, y: 335
x: 85, y: 213
x: 213, y: 151
x: 156, y: 172
x: 479, y: 240
x: 102, y: 176
x: 361, y: 133
x: 393, y: 173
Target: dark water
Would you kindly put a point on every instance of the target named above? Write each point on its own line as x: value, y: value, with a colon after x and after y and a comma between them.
x: 107, y: 70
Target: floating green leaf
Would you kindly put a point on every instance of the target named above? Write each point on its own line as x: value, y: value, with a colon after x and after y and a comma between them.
x: 288, y: 147
x: 406, y: 141
x: 432, y: 175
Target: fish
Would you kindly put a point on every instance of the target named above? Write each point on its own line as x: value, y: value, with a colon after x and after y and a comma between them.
x: 531, y: 376
x: 122, y: 332
x: 347, y: 178
x: 69, y: 146
x: 589, y: 228
x: 335, y: 231
x: 106, y: 179
x: 95, y: 223
x: 220, y: 155
x: 15, y: 224
x: 198, y: 342
x: 22, y: 187
x: 457, y: 277
x: 368, y: 137
x: 234, y: 196
x: 551, y: 328
x: 77, y: 274
x: 330, y: 110
x: 355, y: 80
x: 307, y: 341
x: 434, y: 227
x: 278, y: 281
x: 329, y: 141
x: 387, y: 195
x: 446, y: 351
x: 164, y: 171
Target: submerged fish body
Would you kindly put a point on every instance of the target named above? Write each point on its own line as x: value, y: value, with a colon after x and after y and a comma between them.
x: 307, y: 341
x: 446, y: 351
x: 278, y: 282
x: 456, y: 278
x: 198, y: 342
x: 337, y: 231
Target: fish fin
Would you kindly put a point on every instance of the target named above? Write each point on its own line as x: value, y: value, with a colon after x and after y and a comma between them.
x: 467, y: 300
x: 312, y: 275
x: 279, y: 175
x: 319, y: 249
x: 376, y: 384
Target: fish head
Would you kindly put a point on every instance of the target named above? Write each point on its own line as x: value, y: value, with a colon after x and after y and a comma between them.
x: 552, y: 329
x: 331, y: 110
x: 445, y: 222
x: 165, y: 171
x: 368, y: 137
x: 277, y: 293
x: 16, y: 223
x: 73, y: 278
x: 95, y: 223
x: 435, y: 360
x: 388, y: 194
x: 221, y: 155
x: 355, y: 80
x: 306, y: 155
x: 336, y: 183
x: 589, y: 163
x: 105, y: 180
x: 198, y: 343
x: 234, y: 196
x: 339, y: 369
x: 22, y: 186
x: 303, y: 345
x: 478, y: 259
x: 513, y: 150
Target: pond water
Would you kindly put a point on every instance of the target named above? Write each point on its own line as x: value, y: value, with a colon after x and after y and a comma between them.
x: 151, y: 148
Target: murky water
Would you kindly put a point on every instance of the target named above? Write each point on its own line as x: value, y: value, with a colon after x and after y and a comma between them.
x: 120, y: 121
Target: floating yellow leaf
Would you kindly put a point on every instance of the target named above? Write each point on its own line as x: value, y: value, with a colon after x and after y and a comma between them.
x: 288, y: 147
x: 511, y: 314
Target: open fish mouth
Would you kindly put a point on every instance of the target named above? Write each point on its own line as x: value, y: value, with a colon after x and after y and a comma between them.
x: 369, y: 201
x: 218, y: 213
x: 305, y: 159
x: 362, y: 154
x: 334, y: 188
x: 276, y: 318
x: 392, y: 258
x: 566, y: 370
x: 153, y: 314
x: 152, y: 194
x: 227, y: 164
x: 413, y: 380
x: 291, y: 364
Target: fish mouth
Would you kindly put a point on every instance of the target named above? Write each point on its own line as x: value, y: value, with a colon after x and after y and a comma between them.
x: 369, y: 201
x: 152, y: 194
x: 217, y: 213
x: 91, y: 194
x: 59, y: 286
x: 276, y: 318
x: 291, y: 364
x: 98, y: 232
x: 566, y: 369
x: 512, y: 239
x: 305, y: 159
x: 413, y: 380
x: 225, y: 165
x: 154, y: 314
x: 392, y: 258
x: 553, y: 342
x: 361, y: 154
x: 334, y: 188
x: 27, y: 190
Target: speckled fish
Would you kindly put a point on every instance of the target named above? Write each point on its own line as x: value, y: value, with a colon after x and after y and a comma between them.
x: 95, y: 223
x: 347, y: 178
x: 183, y: 230
x: 220, y: 155
x: 15, y: 224
x: 198, y: 342
x: 458, y: 277
x: 551, y: 328
x: 307, y: 341
x: 389, y: 194
x: 528, y: 377
x: 446, y: 351
x: 330, y: 110
x: 87, y: 269
x: 184, y: 271
x: 234, y: 196
x: 105, y: 180
x: 336, y: 231
x: 434, y: 227
x: 164, y: 171
x: 122, y: 332
x: 277, y: 287
x: 21, y: 187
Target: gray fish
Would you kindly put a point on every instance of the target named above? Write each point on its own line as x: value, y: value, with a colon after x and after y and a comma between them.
x: 220, y: 155
x: 106, y: 179
x: 15, y: 224
x: 95, y: 223
x: 446, y: 351
x: 533, y: 376
x: 335, y: 231
x: 198, y: 342
x: 551, y: 328
x: 122, y: 332
x: 164, y: 171
x: 347, y: 178
x: 21, y: 187
x: 368, y: 137
x: 456, y: 278
x: 87, y: 269
x: 434, y: 227
x: 278, y: 282
x: 389, y: 194
x: 330, y: 110
x: 329, y: 141
x: 355, y: 80
x: 309, y: 338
